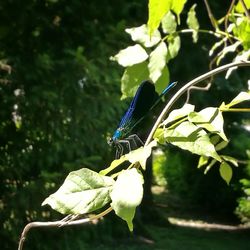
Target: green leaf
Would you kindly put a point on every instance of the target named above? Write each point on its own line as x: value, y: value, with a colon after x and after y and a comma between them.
x: 226, y: 172
x: 193, y: 23
x: 132, y: 78
x: 177, y: 7
x: 179, y: 113
x: 141, y: 35
x: 239, y: 8
x: 211, y: 119
x: 168, y: 23
x: 242, y: 31
x: 241, y: 97
x: 162, y: 81
x: 231, y: 159
x: 131, y: 55
x: 141, y: 154
x: 157, y: 61
x: 157, y: 9
x: 113, y: 165
x: 202, y: 161
x: 83, y: 191
x: 196, y: 143
x: 159, y: 135
x: 221, y: 145
x: 174, y: 44
x: 127, y: 195
x: 209, y: 166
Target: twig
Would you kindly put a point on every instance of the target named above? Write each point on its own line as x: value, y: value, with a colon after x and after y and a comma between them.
x: 210, y: 14
x: 59, y: 224
x: 186, y: 87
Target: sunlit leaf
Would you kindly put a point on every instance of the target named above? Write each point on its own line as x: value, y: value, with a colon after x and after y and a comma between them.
x: 174, y: 44
x: 179, y: 113
x: 242, y: 31
x: 141, y: 35
x: 83, y: 191
x: 177, y: 7
x: 221, y: 145
x: 203, y: 160
x: 113, y: 165
x: 193, y: 23
x: 157, y: 61
x: 226, y: 172
x: 141, y: 154
x: 127, y: 195
x: 168, y: 23
x: 157, y: 9
x: 226, y: 50
x: 230, y: 159
x: 159, y: 135
x: 209, y: 166
x: 131, y: 55
x: 132, y: 78
x: 211, y: 119
x: 241, y: 97
x: 239, y: 7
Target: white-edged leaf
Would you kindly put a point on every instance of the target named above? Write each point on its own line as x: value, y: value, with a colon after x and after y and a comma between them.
x: 226, y: 50
x: 141, y: 35
x: 241, y: 97
x: 127, y: 195
x: 193, y: 23
x: 217, y: 45
x: 83, y: 191
x: 211, y: 119
x: 209, y: 166
x: 168, y: 23
x: 226, y: 172
x: 141, y: 154
x: 115, y: 163
x: 203, y: 160
x: 131, y: 55
x: 174, y: 44
x: 157, y: 61
x: 230, y: 159
x: 179, y: 113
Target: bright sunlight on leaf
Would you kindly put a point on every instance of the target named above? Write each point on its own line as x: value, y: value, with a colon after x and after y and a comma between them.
x: 127, y: 195
x: 83, y: 191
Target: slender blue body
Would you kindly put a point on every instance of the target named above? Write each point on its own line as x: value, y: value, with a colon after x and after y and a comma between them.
x: 144, y: 100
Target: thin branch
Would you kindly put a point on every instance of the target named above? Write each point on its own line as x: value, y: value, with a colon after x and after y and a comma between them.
x: 245, y: 8
x: 59, y: 224
x: 187, y: 86
x: 210, y: 14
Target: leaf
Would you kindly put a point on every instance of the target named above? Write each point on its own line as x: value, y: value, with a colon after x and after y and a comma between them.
x: 202, y: 161
x: 177, y: 7
x: 231, y: 159
x: 159, y: 135
x: 141, y: 154
x: 162, y: 81
x: 127, y: 195
x: 226, y: 172
x: 217, y: 45
x: 221, y: 145
x: 242, y: 56
x: 168, y: 23
x: 242, y: 31
x: 239, y: 8
x: 83, y: 191
x: 174, y: 44
x: 193, y: 23
x: 132, y: 78
x: 179, y: 113
x: 199, y: 144
x: 241, y: 97
x: 211, y: 119
x: 157, y: 9
x: 209, y: 166
x: 157, y: 61
x: 226, y: 50
x: 113, y: 165
x: 131, y: 55
x: 141, y: 35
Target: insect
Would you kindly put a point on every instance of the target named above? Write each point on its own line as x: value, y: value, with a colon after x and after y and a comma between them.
x: 145, y: 99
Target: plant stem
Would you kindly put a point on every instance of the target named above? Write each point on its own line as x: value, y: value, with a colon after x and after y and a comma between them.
x: 187, y: 86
